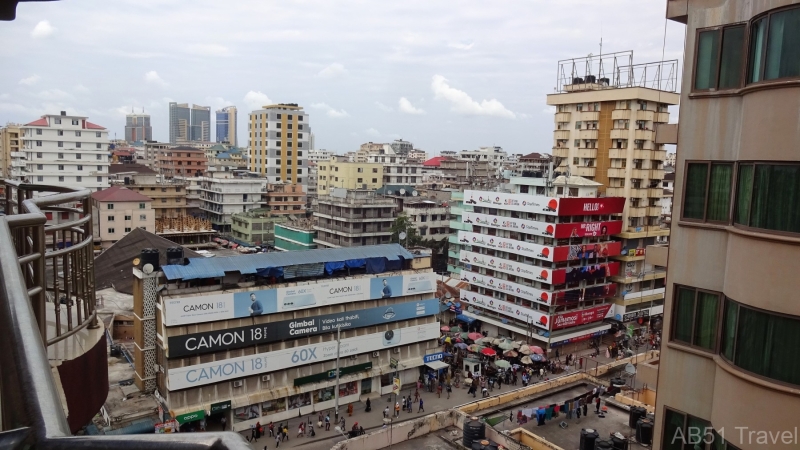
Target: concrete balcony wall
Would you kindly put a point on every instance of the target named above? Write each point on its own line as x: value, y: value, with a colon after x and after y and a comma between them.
x: 667, y: 133
x: 621, y: 114
x: 588, y: 134
x: 656, y: 255
x: 588, y: 116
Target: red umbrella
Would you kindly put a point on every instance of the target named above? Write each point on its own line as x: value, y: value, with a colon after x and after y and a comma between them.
x: 445, y: 328
x: 474, y: 336
x: 488, y: 352
x: 537, y: 350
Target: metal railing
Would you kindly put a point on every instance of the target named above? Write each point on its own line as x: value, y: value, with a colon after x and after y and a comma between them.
x: 40, y: 262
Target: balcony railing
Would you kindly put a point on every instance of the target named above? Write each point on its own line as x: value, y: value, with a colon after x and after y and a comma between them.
x: 44, y: 267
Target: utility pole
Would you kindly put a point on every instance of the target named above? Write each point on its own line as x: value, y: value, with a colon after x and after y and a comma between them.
x: 336, y: 392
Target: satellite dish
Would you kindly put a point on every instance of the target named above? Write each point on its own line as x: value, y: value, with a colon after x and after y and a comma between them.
x: 402, y: 192
x: 402, y: 235
x: 147, y: 268
x: 414, y: 193
x: 389, y: 192
x: 471, y: 309
x: 630, y: 369
x: 136, y: 261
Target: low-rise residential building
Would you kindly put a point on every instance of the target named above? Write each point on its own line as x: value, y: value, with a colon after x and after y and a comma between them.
x: 494, y: 156
x: 10, y: 144
x: 532, y: 163
x: 181, y: 161
x: 430, y: 217
x: 118, y: 210
x: 295, y: 235
x: 320, y: 155
x: 353, y: 217
x: 151, y: 151
x: 224, y: 194
x: 342, y: 174
x: 255, y: 227
x: 284, y: 198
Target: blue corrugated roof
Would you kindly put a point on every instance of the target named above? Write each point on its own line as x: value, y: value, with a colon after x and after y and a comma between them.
x: 247, y: 264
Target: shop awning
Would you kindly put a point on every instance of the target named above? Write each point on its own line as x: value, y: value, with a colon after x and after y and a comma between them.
x: 436, y: 365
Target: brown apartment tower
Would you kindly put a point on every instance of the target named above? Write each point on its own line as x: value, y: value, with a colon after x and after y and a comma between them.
x: 730, y: 366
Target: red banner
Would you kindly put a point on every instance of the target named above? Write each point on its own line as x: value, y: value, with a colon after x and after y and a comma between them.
x: 581, y: 317
x: 569, y: 206
x: 586, y: 251
x: 590, y: 293
x: 581, y: 229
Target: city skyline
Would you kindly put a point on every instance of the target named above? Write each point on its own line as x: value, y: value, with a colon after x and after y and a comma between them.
x: 435, y: 80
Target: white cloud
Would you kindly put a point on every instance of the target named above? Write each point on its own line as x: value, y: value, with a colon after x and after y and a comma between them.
x: 550, y: 110
x: 31, y: 80
x: 383, y: 107
x: 256, y: 100
x: 330, y: 111
x: 405, y: 106
x: 43, y: 29
x: 209, y: 50
x: 54, y: 95
x: 217, y: 103
x: 3, y: 96
x: 461, y: 46
x: 372, y: 132
x: 81, y: 88
x: 333, y: 70
x: 462, y: 103
x: 154, y: 78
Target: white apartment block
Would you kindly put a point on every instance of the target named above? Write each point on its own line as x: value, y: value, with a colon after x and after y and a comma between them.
x: 279, y: 143
x: 495, y: 156
x: 320, y: 155
x: 63, y: 150
x: 223, y: 195
x: 397, y: 169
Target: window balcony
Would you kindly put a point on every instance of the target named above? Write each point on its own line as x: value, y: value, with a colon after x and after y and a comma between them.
x: 618, y: 153
x: 617, y: 172
x: 588, y: 116
x: 588, y: 134
x: 637, y: 211
x: 645, y: 135
x: 563, y: 117
x: 587, y: 153
x: 561, y: 152
x: 561, y: 134
x: 621, y: 114
x: 584, y: 171
x: 620, y: 133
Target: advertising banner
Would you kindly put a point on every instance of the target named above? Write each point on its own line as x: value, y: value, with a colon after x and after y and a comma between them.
x: 210, y: 308
x: 249, y: 365
x: 433, y: 357
x: 540, y: 204
x: 590, y: 293
x: 581, y: 229
x: 585, y: 252
x: 396, y: 386
x: 591, y: 272
x: 528, y: 249
x: 191, y: 417
x: 581, y: 317
x: 543, y: 274
x: 515, y: 289
x: 509, y: 309
x: 233, y: 338
x: 579, y: 338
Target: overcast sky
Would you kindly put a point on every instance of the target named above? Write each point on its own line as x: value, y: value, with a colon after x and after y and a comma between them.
x: 443, y: 75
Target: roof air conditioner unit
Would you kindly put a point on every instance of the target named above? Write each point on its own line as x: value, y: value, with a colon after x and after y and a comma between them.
x: 265, y: 377
x: 238, y: 383
x: 375, y: 354
x: 354, y: 357
x: 396, y: 350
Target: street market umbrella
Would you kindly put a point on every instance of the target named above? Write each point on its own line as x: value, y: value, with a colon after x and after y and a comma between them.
x: 511, y: 353
x: 447, y: 340
x: 526, y: 360
x: 476, y: 348
x: 458, y: 339
x: 517, y: 344
x: 445, y: 328
x: 484, y: 341
x: 467, y: 381
x: 475, y: 336
x: 536, y: 349
x: 489, y: 352
x: 505, y: 345
x: 525, y: 350
x: 461, y: 345
x: 464, y: 335
x: 537, y: 358
x: 456, y: 330
x: 496, y: 341
x: 502, y: 363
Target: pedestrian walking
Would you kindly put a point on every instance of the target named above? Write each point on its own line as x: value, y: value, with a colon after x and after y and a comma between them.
x: 597, y: 405
x: 449, y: 390
x: 397, y: 409
x: 286, y: 431
x: 404, y: 403
x: 252, y: 433
x: 341, y: 423
x: 439, y: 390
x: 421, y: 407
x: 416, y: 395
x: 541, y: 373
x: 277, y: 440
x: 223, y: 421
x: 410, y: 405
x: 300, y: 430
x: 386, y: 413
x: 271, y: 429
x: 328, y: 422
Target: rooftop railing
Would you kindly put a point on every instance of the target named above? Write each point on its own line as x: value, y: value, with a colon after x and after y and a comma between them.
x: 51, y: 266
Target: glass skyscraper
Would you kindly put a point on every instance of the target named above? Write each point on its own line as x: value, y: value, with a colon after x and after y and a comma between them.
x: 226, y: 125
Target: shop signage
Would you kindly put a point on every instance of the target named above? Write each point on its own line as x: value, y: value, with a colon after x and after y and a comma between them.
x: 434, y: 357
x: 220, y: 407
x: 393, y: 363
x: 396, y: 386
x: 249, y: 365
x: 509, y: 309
x: 232, y: 338
x: 515, y: 268
x: 515, y: 289
x: 544, y: 252
x: 209, y: 308
x: 325, y: 376
x: 579, y: 338
x: 545, y: 205
x: 581, y: 317
x: 552, y: 230
x: 169, y: 426
x: 190, y: 417
x: 636, y: 314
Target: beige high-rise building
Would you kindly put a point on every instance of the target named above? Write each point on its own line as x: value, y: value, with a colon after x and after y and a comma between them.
x: 10, y: 142
x: 279, y: 143
x: 729, y: 358
x: 607, y: 110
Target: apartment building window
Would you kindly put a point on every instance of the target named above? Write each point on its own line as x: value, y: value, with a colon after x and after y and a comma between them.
x: 99, y: 168
x: 39, y: 155
x: 98, y: 157
x: 696, y: 318
x: 141, y: 205
x: 682, y: 431
x: 58, y: 121
x: 77, y: 156
x: 39, y: 178
x: 143, y: 216
x: 40, y: 167
x: 578, y: 125
x: 300, y: 127
x: 773, y: 46
x: 60, y: 143
x: 374, y: 180
x: 61, y: 179
x: 127, y: 229
x: 77, y: 145
x: 98, y: 134
x: 60, y: 167
x: 98, y: 145
x: 719, y: 58
x: 60, y: 132
x: 39, y: 131
x: 38, y: 143
x: 77, y: 133
x: 99, y: 179
x: 80, y: 167
x: 110, y: 206
x: 707, y: 192
x: 111, y: 218
x: 299, y: 145
x: 111, y: 230
x: 278, y: 125
x: 75, y: 122
x: 78, y: 179
x: 767, y: 197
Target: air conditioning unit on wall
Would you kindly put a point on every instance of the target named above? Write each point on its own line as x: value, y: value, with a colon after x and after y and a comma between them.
x: 375, y: 354
x: 238, y: 383
x: 265, y: 378
x: 396, y: 350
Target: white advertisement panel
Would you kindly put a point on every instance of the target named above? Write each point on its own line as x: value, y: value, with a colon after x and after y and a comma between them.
x: 542, y: 274
x: 528, y: 249
x: 517, y: 202
x: 509, y: 309
x: 511, y: 224
x: 244, y: 366
x: 515, y: 289
x: 210, y: 308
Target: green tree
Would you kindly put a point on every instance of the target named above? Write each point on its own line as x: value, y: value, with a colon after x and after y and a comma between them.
x: 403, y: 224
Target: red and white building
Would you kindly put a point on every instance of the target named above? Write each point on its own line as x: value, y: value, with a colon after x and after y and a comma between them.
x: 65, y: 151
x: 537, y: 265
